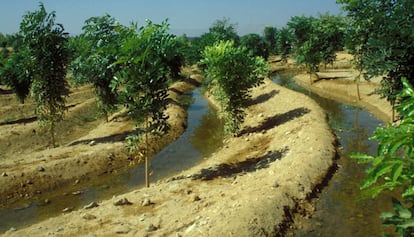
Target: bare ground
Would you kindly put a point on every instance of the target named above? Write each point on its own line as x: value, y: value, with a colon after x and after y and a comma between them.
x: 252, y: 186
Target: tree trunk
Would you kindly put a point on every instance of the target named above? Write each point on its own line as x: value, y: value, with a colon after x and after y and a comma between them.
x: 106, y: 113
x: 52, y: 133
x: 146, y: 155
x: 358, y: 92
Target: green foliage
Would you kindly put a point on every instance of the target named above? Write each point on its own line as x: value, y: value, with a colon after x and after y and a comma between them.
x: 16, y: 66
x: 145, y: 54
x: 284, y: 43
x: 97, y: 52
x: 311, y: 55
x: 144, y: 75
x: 230, y: 75
x: 221, y: 30
x: 224, y: 30
x: 256, y: 45
x: 46, y: 43
x: 331, y: 30
x: 17, y: 73
x: 393, y: 165
x: 317, y: 39
x: 270, y: 37
x: 301, y: 27
x: 381, y: 32
x: 403, y: 219
x: 308, y: 42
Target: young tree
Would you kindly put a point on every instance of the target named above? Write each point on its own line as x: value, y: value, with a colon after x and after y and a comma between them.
x: 145, y: 79
x: 331, y: 30
x: 46, y: 43
x: 284, y: 43
x: 221, y: 30
x: 17, y: 73
x: 255, y: 45
x: 231, y: 74
x: 270, y: 37
x: 301, y: 27
x: 393, y: 165
x: 224, y: 30
x: 319, y: 41
x: 99, y: 49
x: 383, y: 33
x: 16, y: 66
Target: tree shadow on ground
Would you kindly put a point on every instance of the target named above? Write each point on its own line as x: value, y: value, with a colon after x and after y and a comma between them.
x: 192, y: 82
x: 6, y: 92
x: 276, y: 120
x: 18, y: 121
x: 320, y: 78
x: 119, y: 137
x: 178, y: 92
x: 262, y: 98
x: 249, y: 165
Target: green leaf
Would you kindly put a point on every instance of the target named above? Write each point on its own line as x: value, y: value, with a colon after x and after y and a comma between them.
x: 408, y: 192
x: 386, y: 215
x: 406, y: 224
x: 401, y: 210
x: 397, y: 171
x: 375, y: 173
x: 362, y: 158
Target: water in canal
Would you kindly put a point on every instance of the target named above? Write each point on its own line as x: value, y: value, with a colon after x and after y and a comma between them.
x: 339, y: 212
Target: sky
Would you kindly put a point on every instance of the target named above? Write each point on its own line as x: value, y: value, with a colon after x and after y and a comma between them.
x: 192, y: 17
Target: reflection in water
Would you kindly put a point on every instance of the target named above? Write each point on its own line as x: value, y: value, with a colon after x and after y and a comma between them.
x: 338, y: 210
x: 209, y: 135
x: 201, y: 138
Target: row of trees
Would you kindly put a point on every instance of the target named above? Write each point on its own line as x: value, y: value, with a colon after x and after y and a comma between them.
x: 127, y: 65
x: 100, y: 56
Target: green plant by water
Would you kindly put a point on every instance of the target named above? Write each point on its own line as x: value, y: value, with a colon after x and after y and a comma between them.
x: 393, y: 165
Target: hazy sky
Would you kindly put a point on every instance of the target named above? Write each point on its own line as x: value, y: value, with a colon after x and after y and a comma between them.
x: 192, y: 17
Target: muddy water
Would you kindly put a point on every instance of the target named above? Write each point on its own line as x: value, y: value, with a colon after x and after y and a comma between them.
x: 202, y: 137
x: 338, y: 210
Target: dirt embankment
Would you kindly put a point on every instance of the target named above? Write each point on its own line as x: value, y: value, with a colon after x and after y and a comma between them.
x: 252, y: 186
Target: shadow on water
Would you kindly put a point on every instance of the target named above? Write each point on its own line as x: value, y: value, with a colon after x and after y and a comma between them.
x: 338, y: 210
x: 203, y: 136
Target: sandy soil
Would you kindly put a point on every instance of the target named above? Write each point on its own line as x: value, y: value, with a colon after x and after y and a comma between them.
x: 252, y: 186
